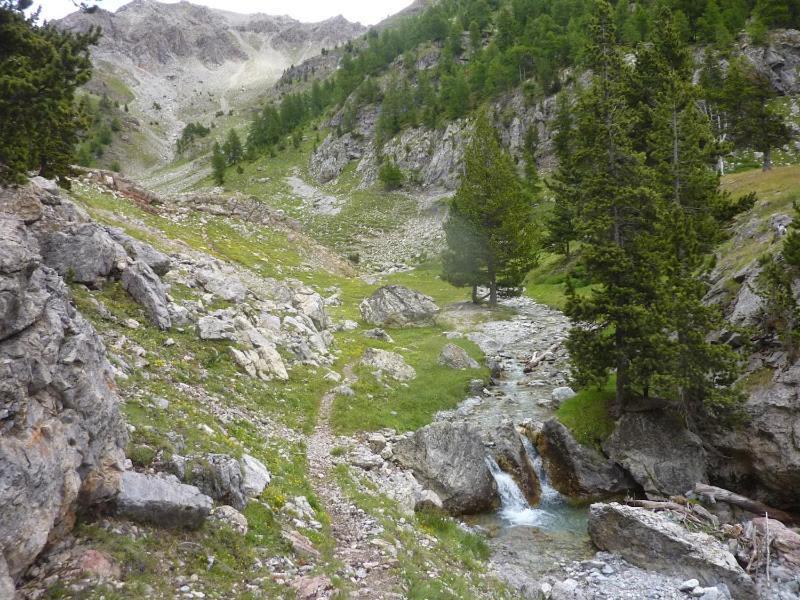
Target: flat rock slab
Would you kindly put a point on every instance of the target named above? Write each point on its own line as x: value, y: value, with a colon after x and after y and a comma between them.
x: 161, y: 500
x: 652, y: 541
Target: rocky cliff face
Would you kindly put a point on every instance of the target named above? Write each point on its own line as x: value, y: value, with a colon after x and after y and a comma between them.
x: 62, y: 432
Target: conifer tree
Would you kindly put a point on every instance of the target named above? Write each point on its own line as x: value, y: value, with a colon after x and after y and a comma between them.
x: 491, y: 239
x: 233, y: 148
x: 218, y: 164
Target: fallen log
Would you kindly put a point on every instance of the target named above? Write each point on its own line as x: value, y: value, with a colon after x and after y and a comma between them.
x: 716, y: 494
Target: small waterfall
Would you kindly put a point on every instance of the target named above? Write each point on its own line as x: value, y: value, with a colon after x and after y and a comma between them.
x: 512, y: 500
x: 550, y: 495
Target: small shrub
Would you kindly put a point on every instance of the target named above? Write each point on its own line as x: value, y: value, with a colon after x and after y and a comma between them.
x: 390, y: 176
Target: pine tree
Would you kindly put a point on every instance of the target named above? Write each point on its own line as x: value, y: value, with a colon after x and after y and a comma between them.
x: 616, y: 328
x: 791, y: 243
x: 40, y: 69
x: 233, y: 148
x: 490, y: 229
x: 218, y: 164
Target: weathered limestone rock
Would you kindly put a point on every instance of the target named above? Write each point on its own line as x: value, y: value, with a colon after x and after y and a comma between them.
x: 84, y: 253
x: 396, y: 306
x: 657, y: 450
x: 652, y: 541
x: 390, y: 363
x: 162, y: 500
x: 456, y: 357
x: 311, y: 304
x: 578, y: 471
x: 229, y: 517
x: 219, y: 476
x: 158, y: 261
x: 255, y: 475
x: 449, y: 458
x: 262, y: 362
x: 146, y: 289
x: 62, y: 437
x: 216, y: 326
x: 223, y: 285
x: 6, y: 583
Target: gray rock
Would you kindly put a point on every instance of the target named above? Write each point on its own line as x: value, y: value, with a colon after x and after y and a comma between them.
x: 146, y: 289
x: 397, y: 306
x: 657, y: 450
x: 569, y: 589
x: 364, y: 458
x: 456, y: 357
x: 511, y: 456
x: 311, y: 304
x: 652, y: 541
x: 21, y: 203
x: 560, y: 394
x: 62, y: 437
x: 216, y: 326
x: 223, y: 285
x: 378, y: 334
x: 6, y: 583
x: 390, y: 363
x: 84, y: 253
x: 449, y: 458
x: 229, y: 517
x: 219, y: 476
x: 428, y: 500
x: 161, y: 500
x: 255, y: 476
x: 159, y: 262
x: 579, y: 471
x: 688, y: 585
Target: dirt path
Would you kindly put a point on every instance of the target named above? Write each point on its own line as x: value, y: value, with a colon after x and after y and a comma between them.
x: 367, y: 569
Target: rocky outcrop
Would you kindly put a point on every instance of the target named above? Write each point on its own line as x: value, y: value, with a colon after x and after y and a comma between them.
x: 389, y: 363
x: 456, y: 357
x: 63, y: 437
x: 578, y: 471
x: 161, y: 500
x: 659, y: 452
x: 449, y: 459
x: 779, y: 60
x: 83, y: 253
x: 219, y: 476
x: 652, y: 541
x: 146, y: 288
x: 159, y: 262
x: 398, y: 306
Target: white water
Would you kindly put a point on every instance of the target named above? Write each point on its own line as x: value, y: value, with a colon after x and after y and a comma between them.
x: 552, y: 512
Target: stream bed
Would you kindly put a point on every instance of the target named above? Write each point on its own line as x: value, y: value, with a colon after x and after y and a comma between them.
x: 527, y: 542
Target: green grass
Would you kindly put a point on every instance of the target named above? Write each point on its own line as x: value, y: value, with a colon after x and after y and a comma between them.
x: 587, y: 416
x: 546, y: 283
x: 403, y: 406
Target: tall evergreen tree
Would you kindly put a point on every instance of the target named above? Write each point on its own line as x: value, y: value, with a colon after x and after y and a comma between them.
x: 233, y: 148
x: 218, y: 164
x: 491, y: 238
x: 40, y: 69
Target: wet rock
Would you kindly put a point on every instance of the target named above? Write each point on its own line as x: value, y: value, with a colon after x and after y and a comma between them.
x: 146, y: 289
x: 652, y: 541
x: 219, y: 476
x: 159, y: 262
x: 449, y: 458
x: 510, y: 454
x: 255, y: 476
x: 456, y: 357
x: 578, y: 471
x: 161, y: 500
x: 397, y: 306
x: 83, y: 253
x: 390, y: 363
x: 62, y: 437
x: 229, y: 517
x: 657, y: 450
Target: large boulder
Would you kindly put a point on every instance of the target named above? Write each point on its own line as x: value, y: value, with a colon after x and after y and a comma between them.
x: 223, y: 285
x: 578, y: 471
x: 659, y: 452
x: 390, y: 363
x: 255, y: 476
x: 652, y: 541
x: 62, y: 436
x: 84, y: 253
x: 450, y: 459
x: 161, y: 500
x: 146, y: 289
x: 311, y: 304
x: 137, y: 250
x: 219, y: 476
x: 397, y: 306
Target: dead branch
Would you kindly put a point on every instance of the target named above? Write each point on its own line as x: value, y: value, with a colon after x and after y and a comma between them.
x: 716, y: 494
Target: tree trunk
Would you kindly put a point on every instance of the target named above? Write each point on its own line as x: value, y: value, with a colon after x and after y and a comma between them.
x: 622, y: 377
x: 493, y: 291
x: 767, y: 160
x: 754, y: 506
x: 475, y: 299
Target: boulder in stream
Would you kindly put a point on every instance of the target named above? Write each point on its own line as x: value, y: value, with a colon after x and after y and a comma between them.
x: 449, y: 459
x: 653, y: 541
